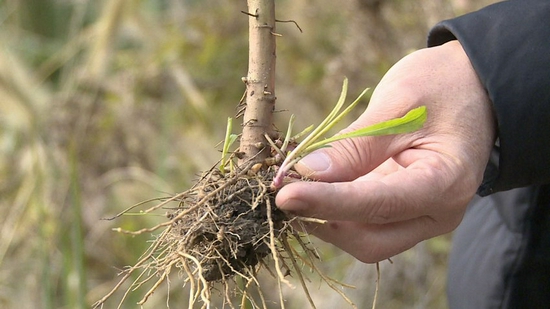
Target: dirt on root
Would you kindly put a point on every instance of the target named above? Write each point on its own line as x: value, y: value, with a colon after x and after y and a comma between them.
x: 230, y: 230
x: 224, y: 228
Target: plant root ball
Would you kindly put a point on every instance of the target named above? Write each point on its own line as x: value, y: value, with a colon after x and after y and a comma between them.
x: 225, y: 224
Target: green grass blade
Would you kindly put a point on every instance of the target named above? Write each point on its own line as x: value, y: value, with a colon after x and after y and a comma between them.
x: 322, y: 127
x: 313, y: 136
x: 339, y: 117
x: 304, y: 132
x: 412, y: 121
x: 232, y: 139
x: 228, y: 140
x: 288, y: 133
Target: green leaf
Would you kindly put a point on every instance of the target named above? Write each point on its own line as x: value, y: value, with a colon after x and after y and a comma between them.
x: 412, y: 121
x: 232, y: 139
x: 228, y: 141
x: 346, y: 111
x: 321, y: 128
x: 288, y: 132
x: 326, y: 124
x: 304, y: 132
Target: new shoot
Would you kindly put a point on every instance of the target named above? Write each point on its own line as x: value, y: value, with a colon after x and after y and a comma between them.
x: 412, y: 121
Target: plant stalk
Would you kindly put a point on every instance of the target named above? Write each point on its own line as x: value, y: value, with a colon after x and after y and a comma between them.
x: 260, y: 81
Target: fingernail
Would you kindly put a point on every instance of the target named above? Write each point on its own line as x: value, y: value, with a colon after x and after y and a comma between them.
x: 294, y: 205
x: 316, y: 162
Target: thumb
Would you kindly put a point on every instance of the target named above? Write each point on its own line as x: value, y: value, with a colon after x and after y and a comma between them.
x: 346, y: 159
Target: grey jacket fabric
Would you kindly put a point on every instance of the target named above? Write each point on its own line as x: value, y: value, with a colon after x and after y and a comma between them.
x: 488, y: 249
x: 501, y: 250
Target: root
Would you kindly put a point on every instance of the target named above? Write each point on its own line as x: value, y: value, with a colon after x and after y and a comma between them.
x: 274, y: 252
x: 203, y: 289
x: 299, y: 273
x: 225, y: 227
x: 375, y: 299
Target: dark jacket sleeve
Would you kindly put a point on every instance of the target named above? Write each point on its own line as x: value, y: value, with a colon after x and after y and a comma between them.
x: 508, y: 44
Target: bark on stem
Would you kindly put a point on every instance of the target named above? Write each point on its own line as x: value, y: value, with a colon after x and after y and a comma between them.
x: 260, y: 82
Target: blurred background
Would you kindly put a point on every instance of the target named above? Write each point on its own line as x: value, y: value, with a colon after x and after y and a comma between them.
x: 107, y: 103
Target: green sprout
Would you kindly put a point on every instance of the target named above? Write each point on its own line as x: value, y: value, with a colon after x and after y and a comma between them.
x: 227, y: 142
x: 412, y: 121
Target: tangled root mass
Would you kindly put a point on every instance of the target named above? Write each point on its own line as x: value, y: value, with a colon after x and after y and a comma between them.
x: 225, y: 226
x: 230, y: 231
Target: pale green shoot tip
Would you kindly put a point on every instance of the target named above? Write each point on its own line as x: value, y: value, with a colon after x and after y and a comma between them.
x: 227, y: 142
x: 412, y: 121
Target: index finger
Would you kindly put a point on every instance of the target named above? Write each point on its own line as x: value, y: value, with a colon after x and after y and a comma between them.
x: 423, y: 188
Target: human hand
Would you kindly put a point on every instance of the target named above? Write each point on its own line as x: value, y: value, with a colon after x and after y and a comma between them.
x: 382, y: 195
